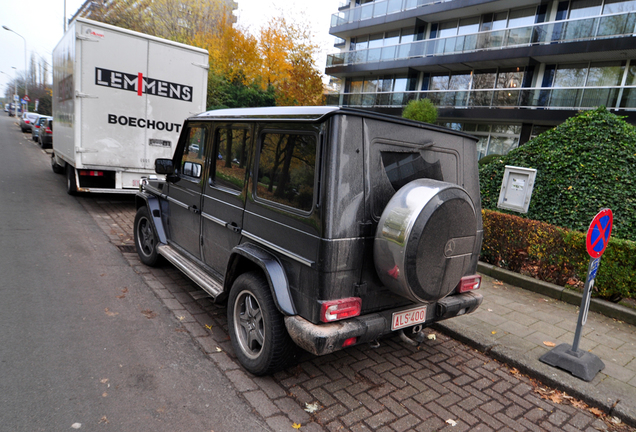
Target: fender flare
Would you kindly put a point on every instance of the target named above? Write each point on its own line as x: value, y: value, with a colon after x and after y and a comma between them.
x: 274, y: 272
x: 154, y: 208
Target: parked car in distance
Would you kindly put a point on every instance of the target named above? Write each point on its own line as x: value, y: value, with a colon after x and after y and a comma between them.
x: 12, y: 109
x: 45, y: 137
x: 35, y: 129
x: 322, y: 227
x: 27, y: 120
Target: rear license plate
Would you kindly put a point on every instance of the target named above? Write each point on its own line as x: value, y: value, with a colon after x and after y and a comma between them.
x: 408, y: 318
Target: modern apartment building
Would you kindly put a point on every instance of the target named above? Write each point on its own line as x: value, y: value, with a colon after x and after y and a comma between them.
x: 504, y: 70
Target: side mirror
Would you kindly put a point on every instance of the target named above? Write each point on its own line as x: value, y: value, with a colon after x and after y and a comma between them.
x: 164, y: 166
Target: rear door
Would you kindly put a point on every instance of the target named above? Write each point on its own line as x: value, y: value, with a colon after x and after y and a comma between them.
x: 224, y: 193
x: 110, y: 97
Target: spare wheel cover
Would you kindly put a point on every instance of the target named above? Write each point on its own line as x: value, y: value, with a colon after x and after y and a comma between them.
x: 425, y: 239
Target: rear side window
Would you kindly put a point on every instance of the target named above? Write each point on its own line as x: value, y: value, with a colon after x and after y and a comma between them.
x: 287, y: 169
x: 232, y: 147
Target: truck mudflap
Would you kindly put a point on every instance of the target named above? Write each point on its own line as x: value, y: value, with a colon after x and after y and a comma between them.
x: 321, y: 339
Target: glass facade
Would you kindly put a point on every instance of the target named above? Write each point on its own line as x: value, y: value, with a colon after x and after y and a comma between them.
x: 422, y: 58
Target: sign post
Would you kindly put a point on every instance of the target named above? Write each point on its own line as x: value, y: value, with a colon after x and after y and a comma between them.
x: 582, y: 364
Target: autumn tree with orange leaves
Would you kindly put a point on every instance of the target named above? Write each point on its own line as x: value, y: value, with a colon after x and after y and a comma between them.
x: 274, y: 67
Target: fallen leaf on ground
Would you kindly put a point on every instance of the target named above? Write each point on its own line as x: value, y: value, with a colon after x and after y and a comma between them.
x: 218, y: 349
x: 109, y: 313
x: 431, y: 336
x: 209, y: 327
x: 181, y: 318
x: 497, y: 282
x: 615, y: 420
x: 103, y: 380
x: 597, y: 412
x: 451, y: 422
x: 548, y: 343
x: 104, y: 420
x: 312, y: 408
x: 148, y: 313
x: 296, y: 425
x: 493, y: 332
x: 123, y: 293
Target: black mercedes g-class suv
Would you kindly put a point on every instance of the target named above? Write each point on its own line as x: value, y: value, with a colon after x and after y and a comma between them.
x: 321, y: 227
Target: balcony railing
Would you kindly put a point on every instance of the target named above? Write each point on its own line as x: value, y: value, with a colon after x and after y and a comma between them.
x: 378, y: 9
x: 547, y: 98
x: 606, y: 26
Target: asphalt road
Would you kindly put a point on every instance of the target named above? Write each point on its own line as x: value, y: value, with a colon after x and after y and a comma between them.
x: 83, y: 343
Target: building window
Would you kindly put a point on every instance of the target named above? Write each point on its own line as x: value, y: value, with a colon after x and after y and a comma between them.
x: 584, y: 8
x: 618, y: 6
x: 522, y: 17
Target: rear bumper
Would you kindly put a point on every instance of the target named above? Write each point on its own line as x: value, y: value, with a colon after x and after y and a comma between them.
x: 320, y: 339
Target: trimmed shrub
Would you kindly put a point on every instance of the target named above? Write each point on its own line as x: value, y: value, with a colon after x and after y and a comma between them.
x: 557, y: 255
x: 421, y: 110
x: 583, y: 165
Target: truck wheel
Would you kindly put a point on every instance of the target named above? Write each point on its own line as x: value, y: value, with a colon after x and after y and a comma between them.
x: 257, y: 329
x: 146, y: 239
x: 57, y: 168
x: 71, y: 186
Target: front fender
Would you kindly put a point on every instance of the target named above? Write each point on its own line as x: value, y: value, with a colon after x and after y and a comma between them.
x: 154, y: 208
x: 274, y: 273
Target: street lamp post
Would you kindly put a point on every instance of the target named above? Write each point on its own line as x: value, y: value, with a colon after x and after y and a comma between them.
x: 15, y: 81
x: 26, y: 73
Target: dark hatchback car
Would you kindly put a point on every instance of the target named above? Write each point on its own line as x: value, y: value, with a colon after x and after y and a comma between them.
x: 36, y: 126
x: 45, y: 136
x: 321, y: 227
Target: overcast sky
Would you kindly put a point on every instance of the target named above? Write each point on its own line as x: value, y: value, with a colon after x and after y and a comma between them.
x: 41, y: 22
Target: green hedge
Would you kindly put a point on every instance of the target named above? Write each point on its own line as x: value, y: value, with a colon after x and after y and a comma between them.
x: 583, y: 165
x: 557, y: 255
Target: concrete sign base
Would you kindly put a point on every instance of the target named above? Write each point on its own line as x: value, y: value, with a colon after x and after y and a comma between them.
x: 581, y: 364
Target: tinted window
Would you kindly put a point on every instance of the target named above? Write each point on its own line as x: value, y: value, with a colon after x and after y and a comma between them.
x: 232, y: 144
x: 193, y: 157
x: 402, y: 168
x: 287, y: 166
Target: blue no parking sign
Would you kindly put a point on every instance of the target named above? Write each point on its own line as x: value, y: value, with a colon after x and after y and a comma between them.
x: 582, y: 364
x: 599, y: 233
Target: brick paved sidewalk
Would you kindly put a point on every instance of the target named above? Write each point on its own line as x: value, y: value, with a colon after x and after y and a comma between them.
x: 514, y: 325
x: 393, y: 388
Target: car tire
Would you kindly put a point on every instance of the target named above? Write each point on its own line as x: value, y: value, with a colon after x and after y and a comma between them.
x: 257, y: 329
x: 146, y: 238
x: 71, y: 185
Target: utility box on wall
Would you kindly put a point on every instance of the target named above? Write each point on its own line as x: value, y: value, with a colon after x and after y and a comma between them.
x: 516, y: 188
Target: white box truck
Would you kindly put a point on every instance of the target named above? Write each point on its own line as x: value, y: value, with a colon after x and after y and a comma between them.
x: 119, y: 100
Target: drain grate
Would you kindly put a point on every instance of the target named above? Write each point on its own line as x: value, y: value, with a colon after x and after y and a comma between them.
x: 127, y: 248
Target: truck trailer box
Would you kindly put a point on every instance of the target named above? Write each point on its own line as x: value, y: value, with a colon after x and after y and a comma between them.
x: 119, y: 100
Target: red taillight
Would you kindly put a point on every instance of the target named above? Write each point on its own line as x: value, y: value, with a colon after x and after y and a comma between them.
x: 27, y: 121
x: 349, y: 342
x: 335, y: 310
x: 91, y: 173
x: 469, y: 283
x: 48, y: 130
